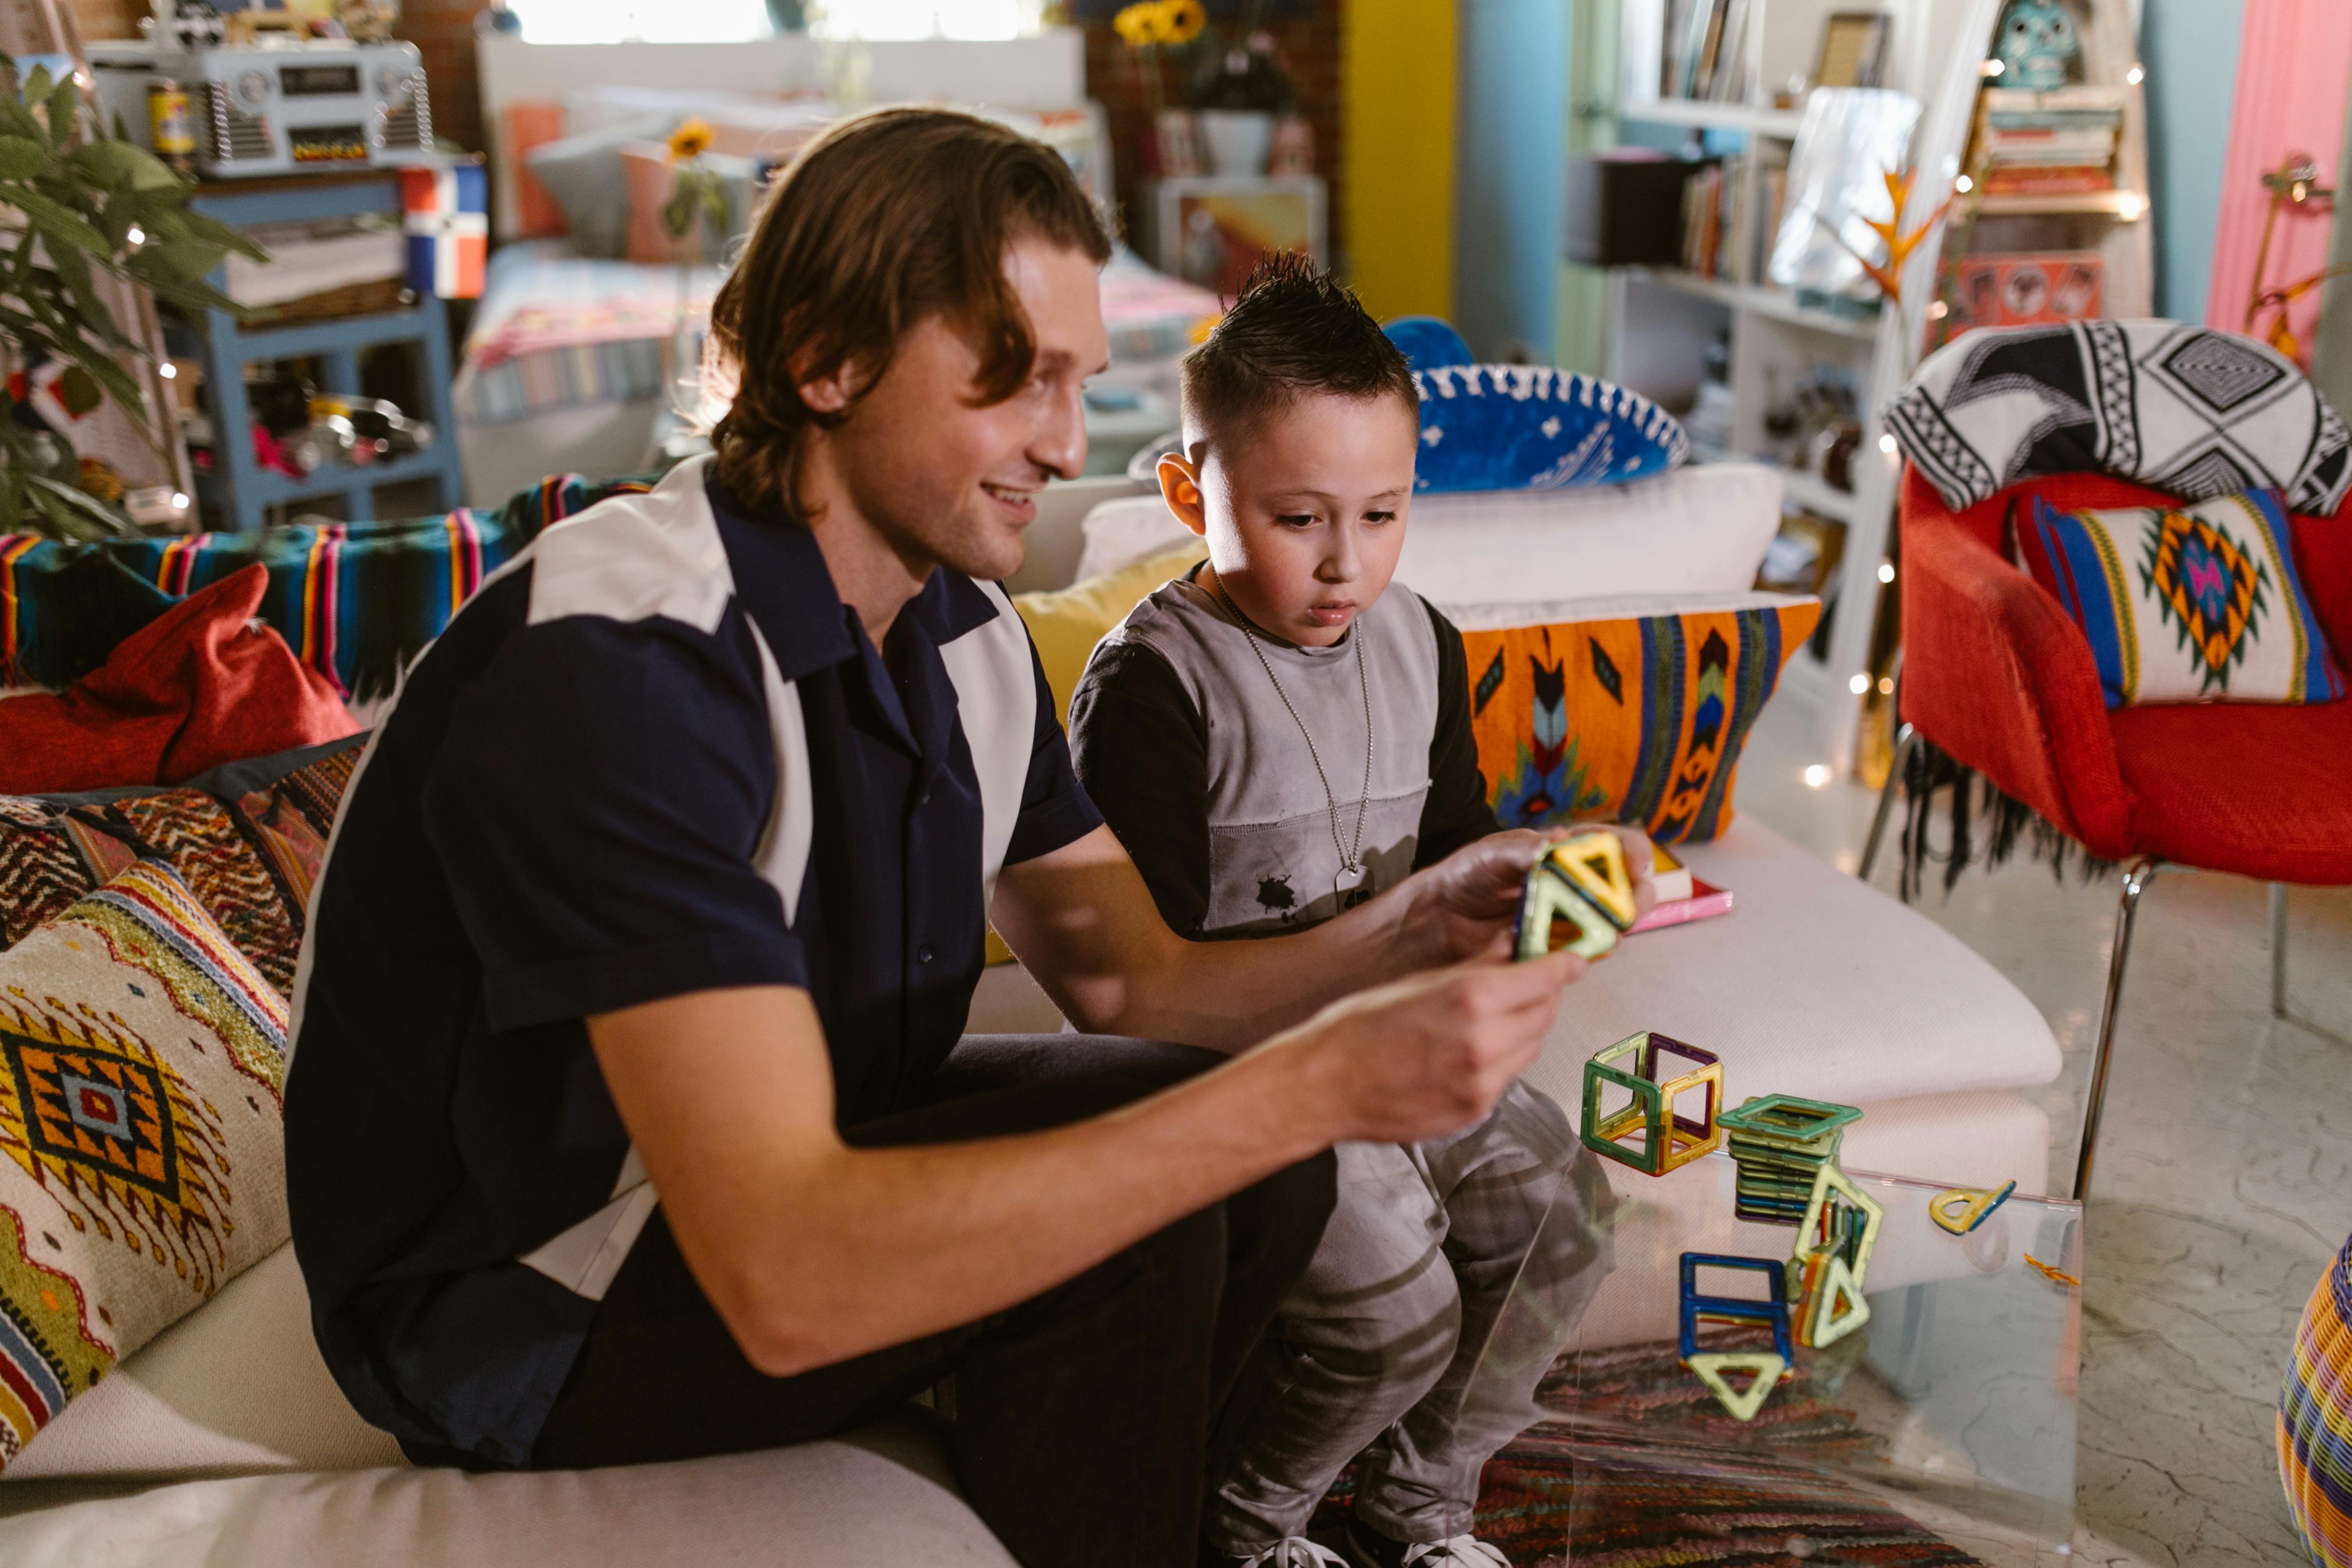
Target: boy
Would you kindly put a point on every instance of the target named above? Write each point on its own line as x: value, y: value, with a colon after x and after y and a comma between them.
x: 1275, y: 739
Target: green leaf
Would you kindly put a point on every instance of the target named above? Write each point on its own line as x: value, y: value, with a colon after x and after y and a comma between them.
x: 79, y: 391
x: 110, y: 163
x: 74, y: 513
x: 55, y: 222
x: 21, y: 157
x: 65, y: 110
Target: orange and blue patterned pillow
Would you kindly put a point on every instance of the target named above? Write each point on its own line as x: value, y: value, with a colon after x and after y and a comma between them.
x: 2315, y: 1418
x: 142, y: 1062
x: 1632, y: 710
x: 2185, y: 603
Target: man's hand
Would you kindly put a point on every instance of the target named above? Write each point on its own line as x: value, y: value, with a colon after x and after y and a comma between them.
x: 1464, y: 906
x: 1429, y: 1054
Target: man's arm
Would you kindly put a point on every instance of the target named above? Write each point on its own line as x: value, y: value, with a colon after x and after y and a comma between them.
x: 813, y: 1251
x: 1082, y: 923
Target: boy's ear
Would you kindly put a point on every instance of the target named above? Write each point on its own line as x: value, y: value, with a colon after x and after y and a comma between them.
x: 1179, y: 486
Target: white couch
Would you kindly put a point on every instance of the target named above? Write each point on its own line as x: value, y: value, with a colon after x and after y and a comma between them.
x: 240, y: 1449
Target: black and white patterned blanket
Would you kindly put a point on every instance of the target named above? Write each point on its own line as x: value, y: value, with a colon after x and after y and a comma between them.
x: 2180, y: 408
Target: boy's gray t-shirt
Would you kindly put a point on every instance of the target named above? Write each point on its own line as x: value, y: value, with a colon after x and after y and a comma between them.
x: 1187, y: 745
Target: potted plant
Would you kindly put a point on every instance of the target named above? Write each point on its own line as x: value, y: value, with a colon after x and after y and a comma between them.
x: 94, y: 216
x: 1236, y: 95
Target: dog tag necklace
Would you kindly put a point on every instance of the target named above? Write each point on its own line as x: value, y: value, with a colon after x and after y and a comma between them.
x: 1345, y: 893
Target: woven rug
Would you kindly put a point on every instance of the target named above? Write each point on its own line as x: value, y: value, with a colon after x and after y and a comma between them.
x: 1603, y: 1486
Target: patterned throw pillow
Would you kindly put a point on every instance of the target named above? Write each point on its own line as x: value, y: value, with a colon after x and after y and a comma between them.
x: 249, y: 853
x: 141, y: 1065
x: 1632, y: 710
x: 2180, y: 604
x: 1531, y: 427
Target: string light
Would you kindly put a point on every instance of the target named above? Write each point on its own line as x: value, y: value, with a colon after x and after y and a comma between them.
x: 1887, y: 686
x: 1859, y: 685
x: 134, y: 237
x: 1964, y: 184
x: 179, y: 502
x: 1994, y: 67
x: 1886, y: 571
x: 1816, y: 776
x: 2134, y: 76
x: 168, y: 370
x: 1886, y: 444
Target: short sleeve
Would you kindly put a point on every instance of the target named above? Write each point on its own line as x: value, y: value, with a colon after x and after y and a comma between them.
x: 1457, y: 811
x: 605, y: 859
x: 1054, y: 810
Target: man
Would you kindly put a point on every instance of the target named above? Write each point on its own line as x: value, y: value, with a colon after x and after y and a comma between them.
x: 616, y: 1129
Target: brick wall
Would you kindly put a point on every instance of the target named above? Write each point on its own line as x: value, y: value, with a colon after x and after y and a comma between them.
x: 1310, y: 44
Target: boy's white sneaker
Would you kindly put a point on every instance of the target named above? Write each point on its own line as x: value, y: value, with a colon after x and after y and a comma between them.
x: 1462, y: 1551
x: 1295, y: 1551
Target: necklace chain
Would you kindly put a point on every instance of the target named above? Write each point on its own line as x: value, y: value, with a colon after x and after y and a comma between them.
x: 1349, y: 863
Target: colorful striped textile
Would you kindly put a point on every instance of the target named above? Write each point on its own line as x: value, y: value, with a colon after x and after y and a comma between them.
x: 559, y: 330
x: 2315, y: 1420
x: 355, y: 600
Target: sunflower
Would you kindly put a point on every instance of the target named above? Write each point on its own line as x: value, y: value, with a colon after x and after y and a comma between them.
x: 691, y: 140
x: 1181, y: 20
x: 1143, y: 23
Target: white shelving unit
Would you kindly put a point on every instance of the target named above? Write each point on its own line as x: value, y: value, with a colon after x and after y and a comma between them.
x: 1660, y: 321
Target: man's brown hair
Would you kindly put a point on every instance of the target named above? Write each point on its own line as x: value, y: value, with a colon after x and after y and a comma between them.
x: 881, y: 222
x: 1293, y: 330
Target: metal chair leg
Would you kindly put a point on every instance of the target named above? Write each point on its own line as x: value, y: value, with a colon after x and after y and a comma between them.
x: 2278, y: 949
x: 2136, y: 876
x: 1906, y: 738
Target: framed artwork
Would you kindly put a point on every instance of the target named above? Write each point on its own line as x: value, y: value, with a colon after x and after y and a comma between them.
x: 1211, y: 230
x: 1854, y: 50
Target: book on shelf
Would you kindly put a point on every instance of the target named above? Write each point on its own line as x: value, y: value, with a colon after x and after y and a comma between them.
x: 2027, y: 289
x: 2048, y: 182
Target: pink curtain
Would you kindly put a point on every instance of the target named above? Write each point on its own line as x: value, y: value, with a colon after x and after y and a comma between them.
x: 2294, y: 64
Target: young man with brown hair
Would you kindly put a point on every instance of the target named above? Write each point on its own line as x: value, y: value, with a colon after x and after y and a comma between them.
x: 623, y: 1123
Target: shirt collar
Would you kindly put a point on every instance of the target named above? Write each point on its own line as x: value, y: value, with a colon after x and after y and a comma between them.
x: 785, y: 587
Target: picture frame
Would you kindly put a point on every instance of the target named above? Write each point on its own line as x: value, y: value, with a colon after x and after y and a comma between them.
x: 1854, y: 50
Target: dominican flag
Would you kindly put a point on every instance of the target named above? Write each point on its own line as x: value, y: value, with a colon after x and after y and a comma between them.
x: 448, y: 222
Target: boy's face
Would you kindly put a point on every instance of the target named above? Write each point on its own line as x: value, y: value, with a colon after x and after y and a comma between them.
x: 1303, y: 513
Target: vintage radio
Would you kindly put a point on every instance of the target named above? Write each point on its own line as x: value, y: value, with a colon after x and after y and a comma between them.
x: 280, y: 107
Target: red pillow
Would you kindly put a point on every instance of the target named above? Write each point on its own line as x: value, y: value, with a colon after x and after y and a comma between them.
x: 203, y: 684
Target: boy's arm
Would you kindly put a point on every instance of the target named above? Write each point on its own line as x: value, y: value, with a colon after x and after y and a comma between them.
x: 1457, y: 811
x: 1137, y: 744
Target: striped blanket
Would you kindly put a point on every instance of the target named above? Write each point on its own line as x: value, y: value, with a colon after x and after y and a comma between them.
x: 355, y: 600
x: 2314, y: 1419
x: 559, y: 330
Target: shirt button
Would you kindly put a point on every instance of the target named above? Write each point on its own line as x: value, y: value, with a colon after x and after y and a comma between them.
x: 923, y: 954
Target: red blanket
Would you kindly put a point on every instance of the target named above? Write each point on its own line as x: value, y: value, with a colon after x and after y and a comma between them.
x: 202, y: 685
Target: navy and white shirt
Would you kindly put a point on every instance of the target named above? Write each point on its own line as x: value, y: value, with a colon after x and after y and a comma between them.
x: 654, y: 755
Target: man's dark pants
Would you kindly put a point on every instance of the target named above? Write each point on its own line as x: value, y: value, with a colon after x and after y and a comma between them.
x: 1087, y: 1418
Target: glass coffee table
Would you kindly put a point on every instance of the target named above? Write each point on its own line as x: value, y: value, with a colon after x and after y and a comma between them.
x: 1939, y: 1432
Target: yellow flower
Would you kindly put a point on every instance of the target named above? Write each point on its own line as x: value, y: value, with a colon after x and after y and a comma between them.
x: 1182, y: 20
x: 691, y: 140
x: 1141, y: 25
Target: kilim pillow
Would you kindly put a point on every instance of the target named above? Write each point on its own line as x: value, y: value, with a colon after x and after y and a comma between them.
x: 2184, y: 603
x: 142, y: 1060
x: 1632, y: 710
x: 247, y: 838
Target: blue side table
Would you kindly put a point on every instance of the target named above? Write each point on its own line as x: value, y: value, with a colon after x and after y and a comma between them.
x: 244, y: 490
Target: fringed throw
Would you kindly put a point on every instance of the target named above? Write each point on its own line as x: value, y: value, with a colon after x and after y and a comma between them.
x: 1985, y: 822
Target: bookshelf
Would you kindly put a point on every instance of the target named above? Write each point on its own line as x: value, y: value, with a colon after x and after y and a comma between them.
x: 1662, y: 325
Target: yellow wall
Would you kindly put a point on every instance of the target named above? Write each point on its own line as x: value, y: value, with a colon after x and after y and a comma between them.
x: 1396, y: 114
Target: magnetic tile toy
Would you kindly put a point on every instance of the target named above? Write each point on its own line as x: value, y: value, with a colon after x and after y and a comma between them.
x: 1781, y: 1143
x: 1595, y: 863
x: 1960, y: 1209
x: 1667, y: 1140
x: 1771, y: 1312
x: 1582, y: 881
x: 1710, y: 1367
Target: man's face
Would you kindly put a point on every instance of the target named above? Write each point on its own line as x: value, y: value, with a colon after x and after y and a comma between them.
x: 948, y: 482
x: 1305, y: 513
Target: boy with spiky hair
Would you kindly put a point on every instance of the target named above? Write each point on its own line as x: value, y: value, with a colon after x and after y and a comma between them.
x: 1276, y: 738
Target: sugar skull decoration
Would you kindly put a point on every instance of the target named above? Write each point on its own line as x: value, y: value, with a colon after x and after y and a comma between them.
x: 2037, y: 45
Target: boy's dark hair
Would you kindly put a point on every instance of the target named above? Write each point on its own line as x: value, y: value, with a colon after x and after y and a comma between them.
x: 881, y: 222
x: 1291, y: 330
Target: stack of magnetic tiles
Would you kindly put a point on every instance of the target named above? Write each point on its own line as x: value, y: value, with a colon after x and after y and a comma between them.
x: 1581, y: 882
x: 1780, y: 1144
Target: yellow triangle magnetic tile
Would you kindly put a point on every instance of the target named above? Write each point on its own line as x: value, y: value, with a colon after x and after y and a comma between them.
x: 1960, y: 1209
x: 1595, y: 863
x: 1835, y: 1306
x: 1714, y: 1367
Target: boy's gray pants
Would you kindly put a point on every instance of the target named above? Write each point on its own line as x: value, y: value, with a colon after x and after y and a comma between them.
x: 1384, y: 1346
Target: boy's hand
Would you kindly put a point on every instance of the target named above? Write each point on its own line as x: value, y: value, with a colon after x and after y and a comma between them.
x: 1428, y: 1054
x: 1464, y: 906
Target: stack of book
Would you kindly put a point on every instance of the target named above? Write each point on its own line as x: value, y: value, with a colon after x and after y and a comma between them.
x: 2061, y: 142
x: 1700, y: 53
x: 1705, y: 195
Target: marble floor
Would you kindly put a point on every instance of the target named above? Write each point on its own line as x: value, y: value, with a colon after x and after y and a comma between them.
x: 2225, y: 1177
